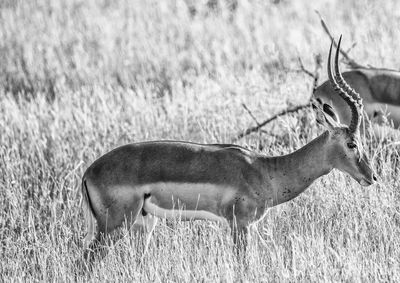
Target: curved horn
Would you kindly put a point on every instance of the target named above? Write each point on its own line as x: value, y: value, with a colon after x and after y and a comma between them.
x: 355, y: 116
x: 340, y: 80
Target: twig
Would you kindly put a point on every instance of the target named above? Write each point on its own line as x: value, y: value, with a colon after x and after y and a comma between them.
x: 262, y: 124
x: 301, y: 70
x: 349, y: 61
x: 250, y: 113
x: 315, y: 75
x: 307, y: 72
x: 318, y: 66
x: 351, y: 47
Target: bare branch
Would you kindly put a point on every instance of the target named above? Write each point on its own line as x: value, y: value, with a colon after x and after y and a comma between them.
x: 351, y: 47
x: 307, y: 72
x: 315, y: 76
x: 318, y: 66
x: 250, y: 113
x: 349, y: 61
x: 301, y: 70
x: 262, y: 124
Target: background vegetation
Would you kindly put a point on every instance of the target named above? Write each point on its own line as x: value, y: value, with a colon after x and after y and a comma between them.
x: 80, y: 77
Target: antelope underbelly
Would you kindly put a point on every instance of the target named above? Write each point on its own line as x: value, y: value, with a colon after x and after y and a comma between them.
x: 182, y: 214
x: 187, y: 200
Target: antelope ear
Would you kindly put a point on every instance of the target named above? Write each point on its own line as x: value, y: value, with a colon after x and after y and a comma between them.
x: 331, y: 112
x: 326, y: 116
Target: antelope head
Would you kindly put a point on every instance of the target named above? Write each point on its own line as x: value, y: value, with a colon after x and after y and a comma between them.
x: 344, y: 148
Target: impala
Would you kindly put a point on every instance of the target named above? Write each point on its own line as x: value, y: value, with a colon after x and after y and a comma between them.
x: 138, y: 182
x: 379, y: 89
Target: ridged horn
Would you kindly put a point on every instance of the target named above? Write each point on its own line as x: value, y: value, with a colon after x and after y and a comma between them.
x: 355, y: 114
x: 341, y: 81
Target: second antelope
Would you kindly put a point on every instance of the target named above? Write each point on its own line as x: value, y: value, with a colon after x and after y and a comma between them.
x: 139, y: 182
x: 379, y: 89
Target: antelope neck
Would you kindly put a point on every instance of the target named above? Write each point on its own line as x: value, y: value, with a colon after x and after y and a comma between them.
x: 292, y: 174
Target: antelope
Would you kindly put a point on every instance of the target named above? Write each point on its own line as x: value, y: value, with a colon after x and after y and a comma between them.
x: 379, y: 89
x: 141, y: 182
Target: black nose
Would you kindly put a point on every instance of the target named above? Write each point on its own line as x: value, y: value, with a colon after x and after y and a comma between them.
x: 374, y: 177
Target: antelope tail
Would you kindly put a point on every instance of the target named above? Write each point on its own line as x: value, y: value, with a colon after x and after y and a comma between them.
x: 88, y: 213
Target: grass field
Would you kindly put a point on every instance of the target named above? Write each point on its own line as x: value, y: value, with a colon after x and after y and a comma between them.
x: 78, y: 78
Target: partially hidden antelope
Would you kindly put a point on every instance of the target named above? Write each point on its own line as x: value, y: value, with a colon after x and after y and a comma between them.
x: 140, y: 182
x: 379, y: 89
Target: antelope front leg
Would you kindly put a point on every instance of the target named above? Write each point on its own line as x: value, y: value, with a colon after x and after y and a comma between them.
x: 240, y: 238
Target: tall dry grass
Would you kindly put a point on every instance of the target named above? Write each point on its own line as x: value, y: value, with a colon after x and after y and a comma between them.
x: 78, y: 78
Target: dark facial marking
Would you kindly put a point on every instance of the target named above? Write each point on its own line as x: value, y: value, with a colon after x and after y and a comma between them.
x: 328, y: 110
x: 351, y: 145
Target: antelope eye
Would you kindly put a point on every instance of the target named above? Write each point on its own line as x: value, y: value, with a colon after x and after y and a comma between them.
x: 351, y: 145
